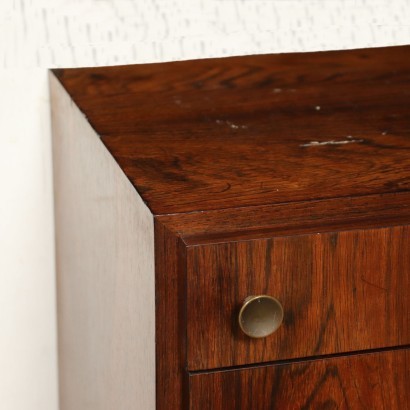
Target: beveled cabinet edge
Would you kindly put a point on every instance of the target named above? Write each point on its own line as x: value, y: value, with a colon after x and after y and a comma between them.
x: 170, y: 302
x: 336, y: 214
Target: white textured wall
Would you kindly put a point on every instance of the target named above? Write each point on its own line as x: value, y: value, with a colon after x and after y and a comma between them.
x: 36, y: 34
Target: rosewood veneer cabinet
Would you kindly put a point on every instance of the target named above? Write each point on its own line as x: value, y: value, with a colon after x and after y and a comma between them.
x: 234, y: 233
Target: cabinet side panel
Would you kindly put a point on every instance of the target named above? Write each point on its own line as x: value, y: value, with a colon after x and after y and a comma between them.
x: 105, y: 272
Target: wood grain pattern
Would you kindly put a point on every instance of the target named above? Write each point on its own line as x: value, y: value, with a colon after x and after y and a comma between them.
x: 303, y: 127
x: 105, y: 272
x: 362, y: 382
x: 170, y: 278
x: 341, y: 292
x: 280, y: 174
x: 290, y: 219
x: 47, y: 33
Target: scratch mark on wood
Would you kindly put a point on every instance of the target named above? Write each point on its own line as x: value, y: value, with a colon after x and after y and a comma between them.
x: 349, y: 140
x: 374, y: 285
x: 231, y: 124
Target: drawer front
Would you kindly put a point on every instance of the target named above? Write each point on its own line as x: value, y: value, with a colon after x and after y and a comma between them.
x: 367, y: 381
x: 340, y: 292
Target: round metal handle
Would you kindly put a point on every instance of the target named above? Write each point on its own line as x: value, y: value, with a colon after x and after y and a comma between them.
x: 260, y: 316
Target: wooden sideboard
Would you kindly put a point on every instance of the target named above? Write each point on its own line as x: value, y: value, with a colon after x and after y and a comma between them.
x: 202, y: 204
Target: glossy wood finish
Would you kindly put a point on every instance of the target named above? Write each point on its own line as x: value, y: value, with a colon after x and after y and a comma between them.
x: 279, y: 174
x: 341, y: 292
x: 370, y: 381
x: 245, y: 131
x: 170, y: 343
x: 290, y: 219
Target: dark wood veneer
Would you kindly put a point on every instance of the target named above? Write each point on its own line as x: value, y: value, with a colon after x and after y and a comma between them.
x: 170, y: 340
x: 369, y: 381
x: 280, y: 174
x: 290, y: 219
x: 341, y: 291
x: 244, y: 131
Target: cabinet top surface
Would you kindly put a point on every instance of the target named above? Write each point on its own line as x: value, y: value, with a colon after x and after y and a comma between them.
x: 243, y: 131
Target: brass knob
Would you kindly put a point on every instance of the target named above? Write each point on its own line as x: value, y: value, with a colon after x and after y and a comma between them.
x: 260, y: 316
